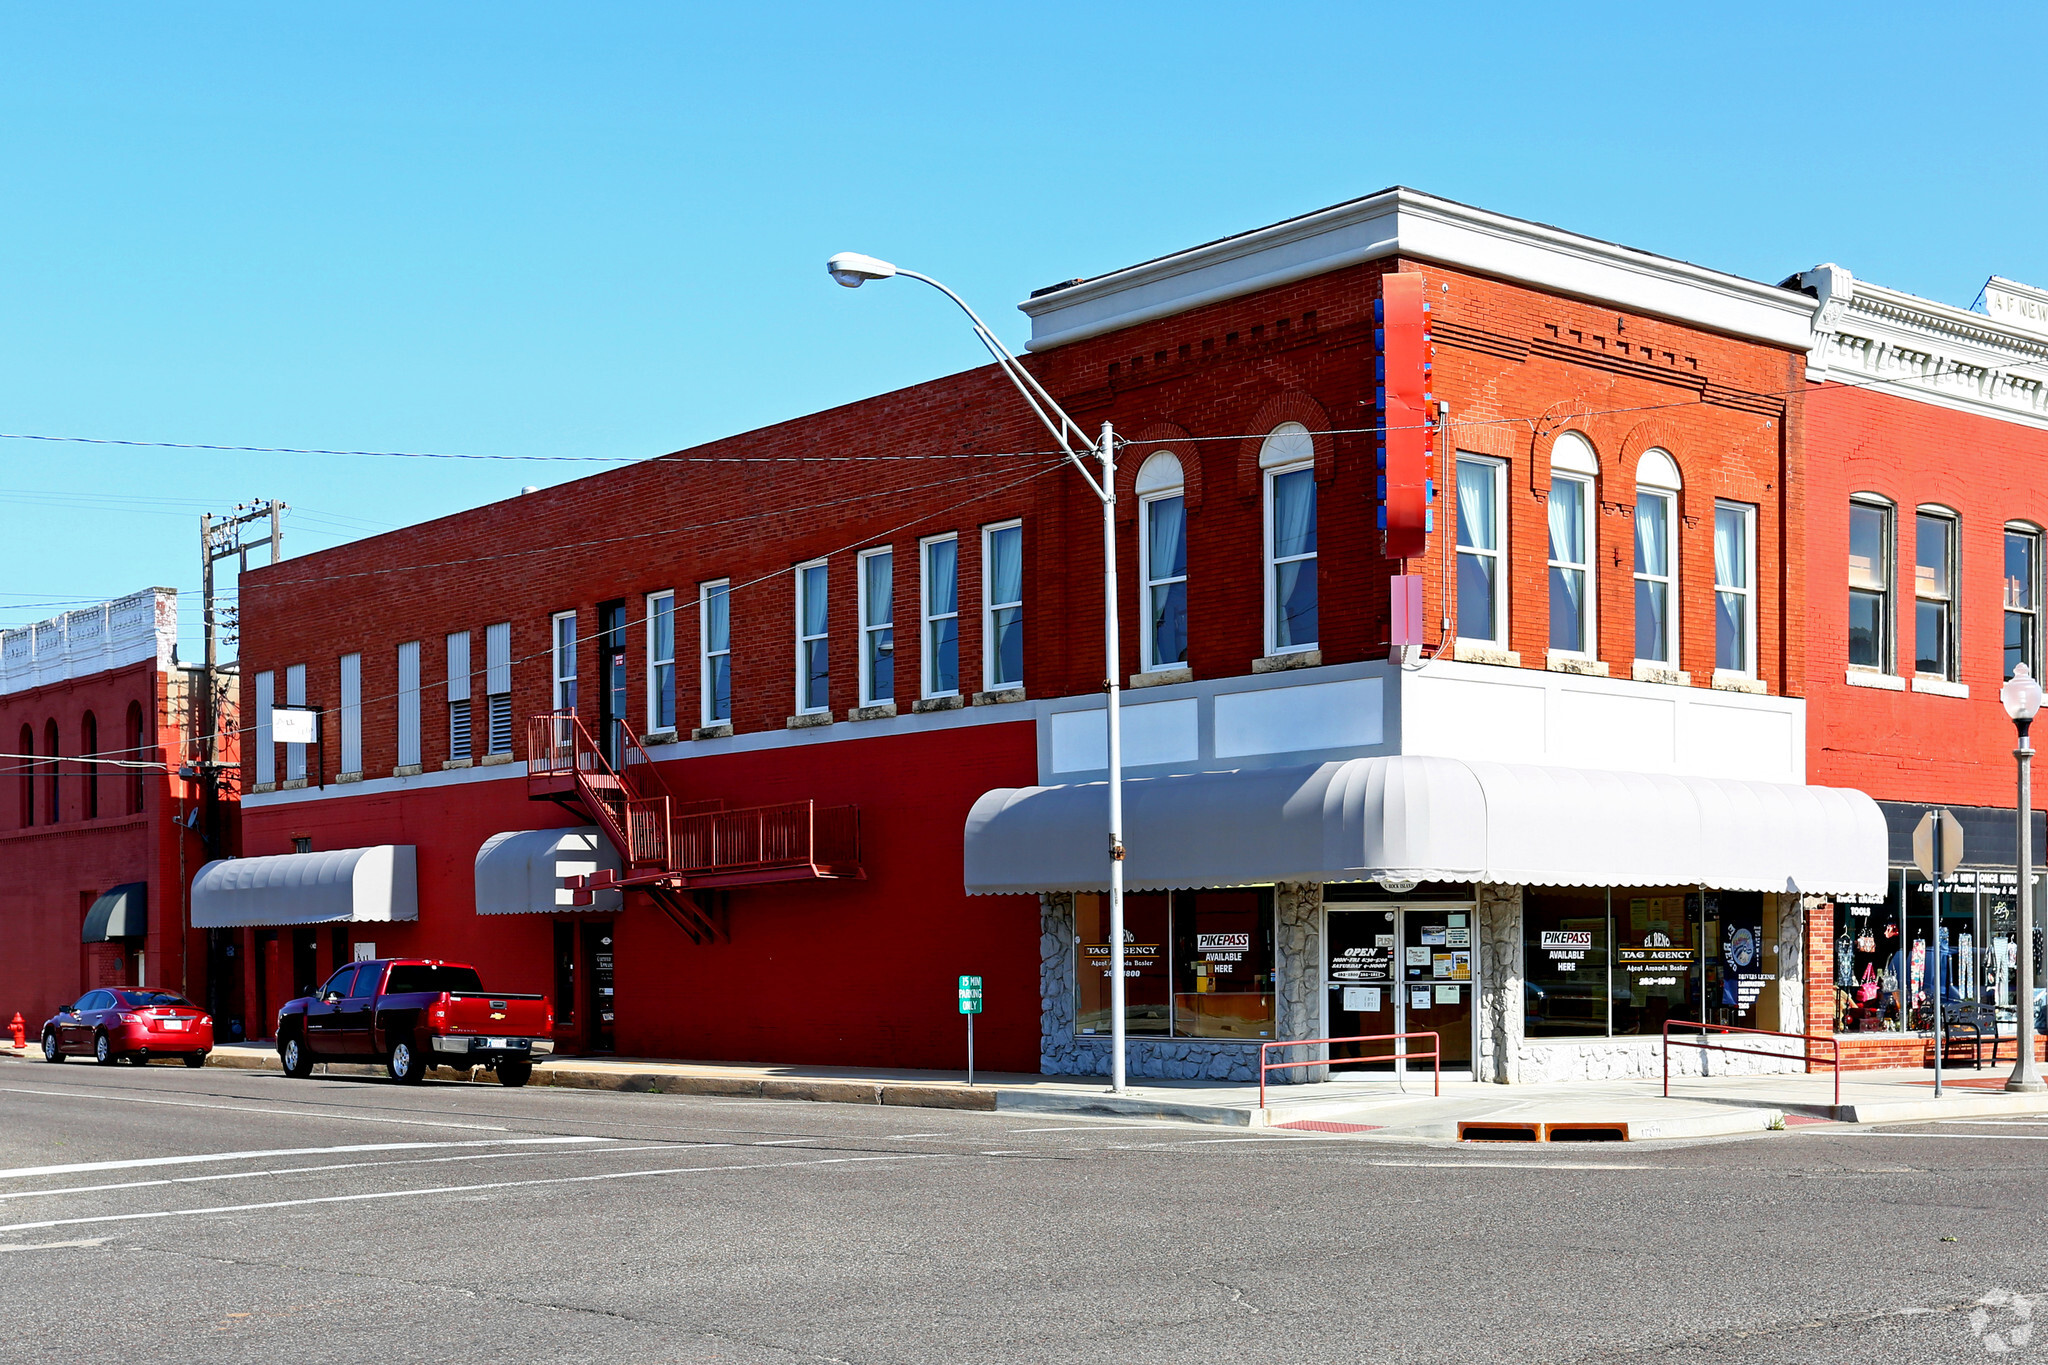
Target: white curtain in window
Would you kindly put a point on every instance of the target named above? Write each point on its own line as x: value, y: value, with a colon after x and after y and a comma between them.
x: 1567, y: 547
x: 1477, y: 516
x: 1731, y: 557
x: 1006, y: 569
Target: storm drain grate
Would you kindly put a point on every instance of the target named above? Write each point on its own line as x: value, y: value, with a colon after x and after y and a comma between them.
x: 1500, y: 1132
x: 1588, y: 1132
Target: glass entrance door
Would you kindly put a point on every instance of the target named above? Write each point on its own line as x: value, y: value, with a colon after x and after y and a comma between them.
x: 1406, y: 969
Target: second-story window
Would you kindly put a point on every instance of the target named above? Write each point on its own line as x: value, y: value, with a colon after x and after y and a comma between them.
x: 1287, y: 458
x: 1934, y: 576
x: 565, y: 660
x: 1163, y: 561
x: 813, y: 655
x: 498, y: 687
x: 1870, y: 585
x: 1572, y: 471
x: 1002, y: 613
x: 459, y: 750
x: 941, y: 571
x: 661, y: 663
x: 1657, y: 558
x: 1482, y: 545
x: 1734, y: 588
x: 2022, y: 599
x: 877, y: 627
x: 714, y: 609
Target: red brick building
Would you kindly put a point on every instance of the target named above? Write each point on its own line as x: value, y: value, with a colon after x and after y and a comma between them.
x: 95, y: 716
x: 862, y: 651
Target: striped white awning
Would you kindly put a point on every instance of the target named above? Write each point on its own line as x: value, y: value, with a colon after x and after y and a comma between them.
x: 520, y: 872
x: 343, y: 885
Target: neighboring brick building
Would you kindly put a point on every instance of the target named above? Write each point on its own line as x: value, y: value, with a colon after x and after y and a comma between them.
x: 97, y: 856
x: 1589, y: 766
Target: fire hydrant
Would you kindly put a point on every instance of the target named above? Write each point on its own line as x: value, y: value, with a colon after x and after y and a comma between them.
x: 19, y: 1030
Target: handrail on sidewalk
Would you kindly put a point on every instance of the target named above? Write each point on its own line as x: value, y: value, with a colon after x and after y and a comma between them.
x: 1834, y: 1061
x: 1435, y: 1054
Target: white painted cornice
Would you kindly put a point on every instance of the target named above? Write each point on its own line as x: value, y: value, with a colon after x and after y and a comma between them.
x: 1873, y: 337
x: 1404, y: 222
x: 127, y: 630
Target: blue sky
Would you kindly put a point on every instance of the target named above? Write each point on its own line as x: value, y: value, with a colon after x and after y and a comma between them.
x: 598, y: 230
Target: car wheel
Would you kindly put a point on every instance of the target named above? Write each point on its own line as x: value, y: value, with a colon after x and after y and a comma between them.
x: 195, y: 1060
x: 406, y: 1064
x: 103, y: 1050
x: 51, y: 1052
x: 298, y: 1062
x: 138, y: 1059
x: 514, y: 1074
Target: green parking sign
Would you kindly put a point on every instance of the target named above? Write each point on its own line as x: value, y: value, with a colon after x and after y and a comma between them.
x: 970, y: 995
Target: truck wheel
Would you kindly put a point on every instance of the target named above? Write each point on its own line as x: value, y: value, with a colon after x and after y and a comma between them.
x: 51, y: 1052
x: 103, y: 1050
x: 298, y: 1061
x: 406, y: 1065
x: 514, y: 1074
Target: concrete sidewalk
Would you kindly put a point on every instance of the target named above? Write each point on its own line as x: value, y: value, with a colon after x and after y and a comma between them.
x: 1373, y: 1104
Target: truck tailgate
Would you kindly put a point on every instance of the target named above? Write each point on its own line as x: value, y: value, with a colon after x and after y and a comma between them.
x: 517, y: 1016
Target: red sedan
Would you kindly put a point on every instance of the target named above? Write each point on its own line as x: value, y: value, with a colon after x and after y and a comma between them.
x: 132, y: 1024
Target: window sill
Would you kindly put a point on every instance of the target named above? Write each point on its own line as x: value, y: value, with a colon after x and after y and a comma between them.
x: 808, y: 720
x: 1650, y: 671
x: 1160, y: 677
x: 493, y: 760
x: 1883, y: 682
x: 1280, y: 663
x: 658, y: 737
x: 262, y: 787
x: 452, y: 764
x: 406, y: 770
x: 1481, y: 652
x: 926, y: 705
x: 1558, y: 661
x: 292, y: 784
x: 722, y: 730
x: 340, y: 778
x: 1941, y: 687
x: 999, y: 696
x: 879, y: 711
x: 1725, y: 681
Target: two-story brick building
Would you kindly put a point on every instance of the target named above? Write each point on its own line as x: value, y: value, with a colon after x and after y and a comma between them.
x: 820, y: 668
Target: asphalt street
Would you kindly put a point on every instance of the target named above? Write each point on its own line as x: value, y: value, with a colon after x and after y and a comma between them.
x: 229, y: 1216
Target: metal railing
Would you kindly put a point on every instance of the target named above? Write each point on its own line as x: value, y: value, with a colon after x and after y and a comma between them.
x: 762, y: 837
x: 1435, y: 1055
x: 1834, y: 1060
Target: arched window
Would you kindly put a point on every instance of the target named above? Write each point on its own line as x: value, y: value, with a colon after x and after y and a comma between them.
x: 135, y: 781
x: 1657, y: 487
x: 53, y: 809
x: 1573, y: 593
x: 1287, y: 465
x: 1163, y: 561
x: 89, y: 746
x: 2022, y: 593
x: 26, y: 767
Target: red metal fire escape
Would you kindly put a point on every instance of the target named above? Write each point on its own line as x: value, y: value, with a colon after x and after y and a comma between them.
x: 678, y: 851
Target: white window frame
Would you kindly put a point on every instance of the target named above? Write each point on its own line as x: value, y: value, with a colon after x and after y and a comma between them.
x: 1288, y: 449
x: 562, y: 663
x: 409, y: 704
x: 1888, y: 596
x: 2031, y: 533
x: 802, y: 669
x: 1156, y: 483
x: 1498, y: 554
x: 657, y: 604
x: 1952, y: 597
x: 1749, y: 521
x: 706, y: 654
x: 990, y: 647
x: 928, y: 653
x: 1589, y: 626
x: 497, y: 688
x: 867, y: 682
x: 459, y: 702
x: 1668, y: 579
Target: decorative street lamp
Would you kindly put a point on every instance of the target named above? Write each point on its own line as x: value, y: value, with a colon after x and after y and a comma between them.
x: 852, y: 269
x: 2022, y: 698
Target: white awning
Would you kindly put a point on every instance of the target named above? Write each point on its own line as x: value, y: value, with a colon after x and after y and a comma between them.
x: 520, y: 872
x: 1431, y: 819
x: 364, y: 885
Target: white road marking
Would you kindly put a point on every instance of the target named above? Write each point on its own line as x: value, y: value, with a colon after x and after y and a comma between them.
x: 1946, y: 1137
x: 463, y: 1189
x: 250, y: 1109
x: 1524, y: 1165
x: 777, y: 1142
x: 80, y: 1167
x: 2003, y: 1123
x: 905, y: 1137
x: 344, y: 1166
x: 54, y: 1246
x: 1096, y: 1128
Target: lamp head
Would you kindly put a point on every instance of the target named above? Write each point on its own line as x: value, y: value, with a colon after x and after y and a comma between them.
x: 2021, y: 696
x: 853, y: 270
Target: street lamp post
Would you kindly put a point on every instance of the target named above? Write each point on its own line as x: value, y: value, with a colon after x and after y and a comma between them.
x: 2022, y: 698
x: 852, y: 269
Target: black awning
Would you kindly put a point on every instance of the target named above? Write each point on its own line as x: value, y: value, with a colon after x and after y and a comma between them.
x: 121, y: 913
x: 1989, y: 834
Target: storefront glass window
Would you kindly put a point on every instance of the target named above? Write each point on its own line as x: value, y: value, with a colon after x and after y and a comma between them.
x: 1656, y: 959
x: 1197, y: 964
x: 1564, y: 956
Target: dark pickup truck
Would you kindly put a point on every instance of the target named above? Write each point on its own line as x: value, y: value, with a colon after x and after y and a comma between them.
x: 411, y: 1014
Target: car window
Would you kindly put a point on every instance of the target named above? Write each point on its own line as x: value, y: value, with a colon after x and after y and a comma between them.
x: 366, y: 980
x: 96, y: 1000
x: 338, y: 983
x: 410, y: 977
x: 152, y: 1000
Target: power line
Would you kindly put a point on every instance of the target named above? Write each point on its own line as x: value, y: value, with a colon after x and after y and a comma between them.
x: 672, y: 458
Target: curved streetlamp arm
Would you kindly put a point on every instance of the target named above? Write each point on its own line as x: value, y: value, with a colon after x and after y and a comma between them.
x: 1065, y: 430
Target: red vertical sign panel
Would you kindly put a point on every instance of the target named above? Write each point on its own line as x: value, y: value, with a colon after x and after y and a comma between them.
x: 1403, y: 399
